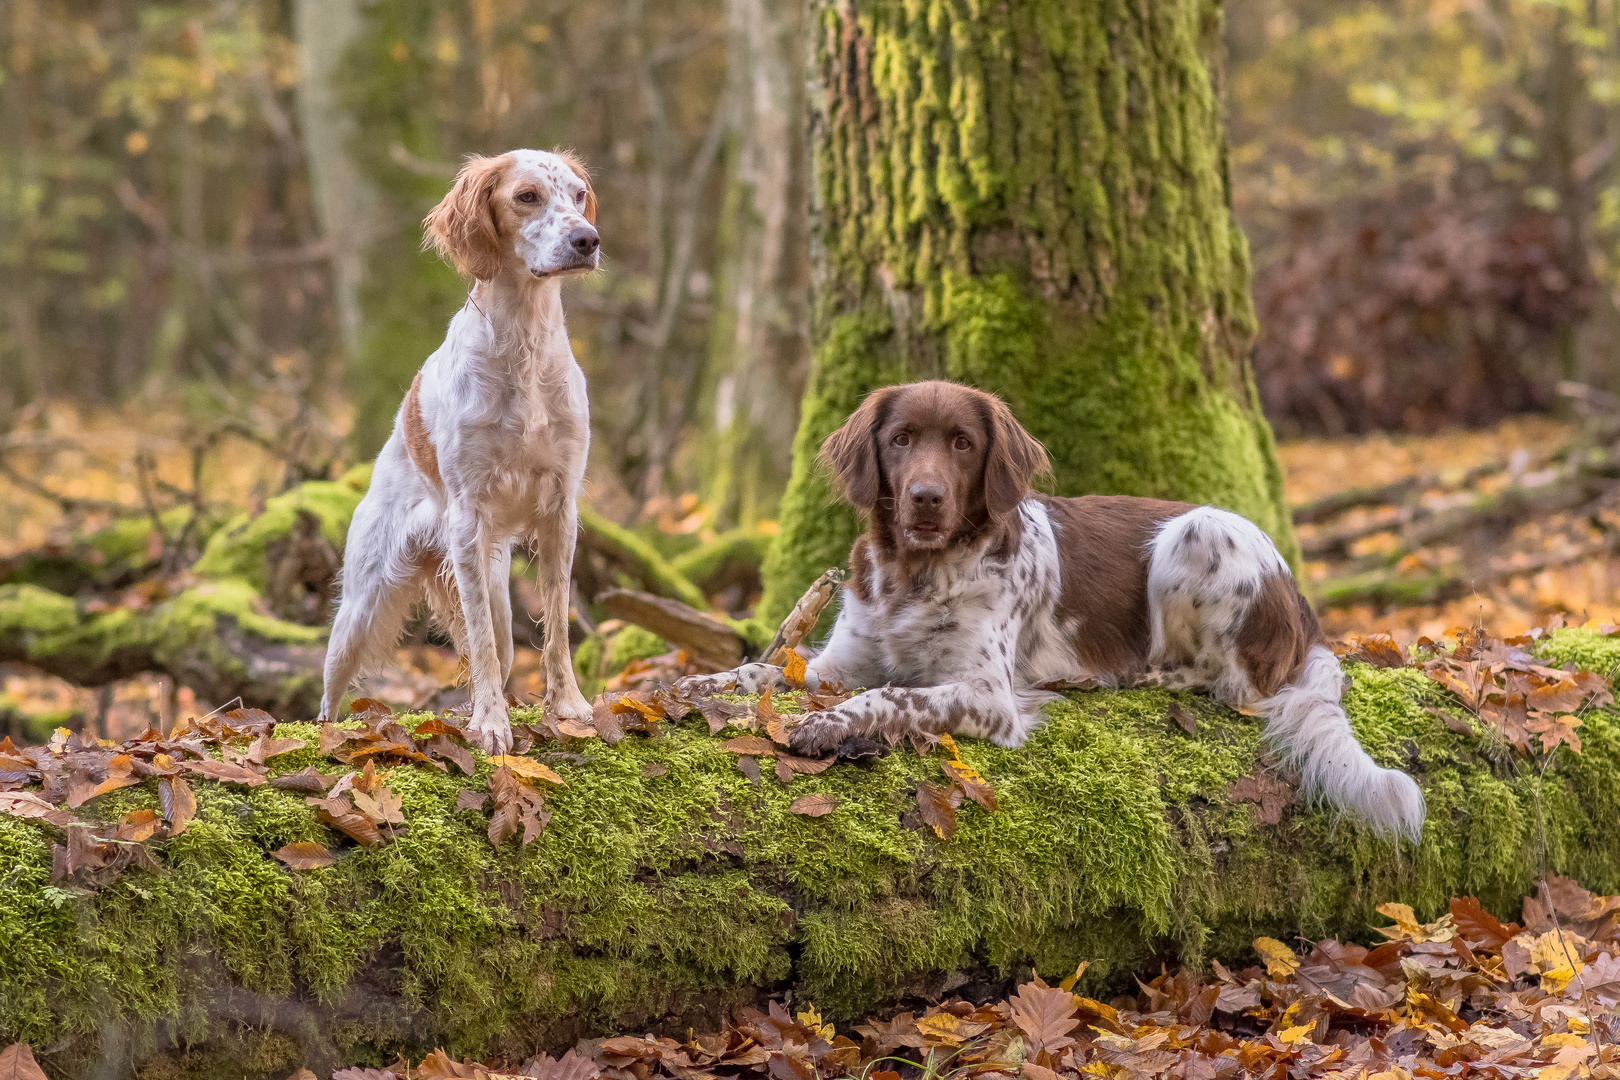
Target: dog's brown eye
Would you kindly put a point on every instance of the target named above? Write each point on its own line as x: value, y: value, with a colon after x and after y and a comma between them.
x: 579, y: 197
x: 902, y: 439
x: 527, y: 196
x: 962, y: 443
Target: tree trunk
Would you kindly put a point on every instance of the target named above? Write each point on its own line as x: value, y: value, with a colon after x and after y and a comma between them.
x: 760, y: 335
x: 1032, y: 199
x: 347, y: 205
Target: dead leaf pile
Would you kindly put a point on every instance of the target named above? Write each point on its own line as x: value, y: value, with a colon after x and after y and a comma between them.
x: 1501, y: 684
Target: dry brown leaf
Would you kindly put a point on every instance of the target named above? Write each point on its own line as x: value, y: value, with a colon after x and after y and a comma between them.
x: 752, y: 745
x: 26, y: 804
x: 179, y: 803
x: 264, y: 748
x: 1046, y: 1016
x: 305, y: 856
x: 224, y: 772
x: 1184, y: 717
x: 784, y: 771
x: 468, y: 799
x: 1261, y: 787
x: 816, y: 805
x: 938, y: 807
x: 137, y: 826
x: 17, y: 1063
x: 508, y: 816
x: 749, y: 768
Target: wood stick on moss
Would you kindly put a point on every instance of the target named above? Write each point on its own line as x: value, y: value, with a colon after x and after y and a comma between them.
x: 802, y: 619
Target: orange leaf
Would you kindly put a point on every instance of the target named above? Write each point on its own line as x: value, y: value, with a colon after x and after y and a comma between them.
x: 793, y: 669
x: 938, y: 807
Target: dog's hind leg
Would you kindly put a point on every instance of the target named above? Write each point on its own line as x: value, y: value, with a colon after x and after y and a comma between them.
x: 378, y: 589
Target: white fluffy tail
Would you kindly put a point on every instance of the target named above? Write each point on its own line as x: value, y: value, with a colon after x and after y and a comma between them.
x: 1308, y: 727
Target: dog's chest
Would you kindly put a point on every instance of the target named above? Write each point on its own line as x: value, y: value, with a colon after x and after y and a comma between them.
x: 937, y: 631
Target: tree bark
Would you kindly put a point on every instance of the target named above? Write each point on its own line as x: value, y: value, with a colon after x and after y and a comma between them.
x: 1032, y: 199
x: 759, y: 341
x: 347, y: 205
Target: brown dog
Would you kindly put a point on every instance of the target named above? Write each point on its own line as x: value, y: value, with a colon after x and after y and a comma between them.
x: 968, y: 592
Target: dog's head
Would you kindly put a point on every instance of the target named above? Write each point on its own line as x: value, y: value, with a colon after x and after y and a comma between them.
x: 524, y: 212
x: 935, y: 462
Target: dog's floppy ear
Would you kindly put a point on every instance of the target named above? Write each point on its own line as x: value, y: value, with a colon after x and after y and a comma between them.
x: 572, y: 160
x: 462, y: 227
x: 1013, y: 461
x: 851, y: 452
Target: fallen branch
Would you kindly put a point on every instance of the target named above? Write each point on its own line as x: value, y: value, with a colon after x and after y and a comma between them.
x: 707, y: 640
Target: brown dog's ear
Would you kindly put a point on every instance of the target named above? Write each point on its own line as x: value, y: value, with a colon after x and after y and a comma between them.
x: 1015, y: 458
x: 572, y: 160
x: 851, y: 452
x: 462, y: 227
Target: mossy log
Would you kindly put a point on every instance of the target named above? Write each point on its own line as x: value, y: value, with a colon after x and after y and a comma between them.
x: 248, y: 619
x: 668, y: 887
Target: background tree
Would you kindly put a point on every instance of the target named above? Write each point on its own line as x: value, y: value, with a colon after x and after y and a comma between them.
x: 1031, y: 198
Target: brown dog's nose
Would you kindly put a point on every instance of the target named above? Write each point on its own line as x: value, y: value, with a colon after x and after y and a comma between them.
x: 926, y: 496
x: 584, y: 241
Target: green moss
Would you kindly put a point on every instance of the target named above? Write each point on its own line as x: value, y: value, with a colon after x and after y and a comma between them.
x: 731, y: 556
x: 238, y: 549
x: 631, y: 644
x: 1033, y: 201
x: 651, y: 895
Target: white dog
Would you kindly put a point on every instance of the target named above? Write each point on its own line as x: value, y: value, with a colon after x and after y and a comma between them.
x: 488, y: 447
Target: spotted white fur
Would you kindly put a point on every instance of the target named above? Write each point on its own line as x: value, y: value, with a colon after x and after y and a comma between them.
x: 968, y: 650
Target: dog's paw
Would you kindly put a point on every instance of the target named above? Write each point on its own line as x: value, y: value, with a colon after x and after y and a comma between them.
x: 818, y: 734
x: 567, y: 704
x: 491, y: 728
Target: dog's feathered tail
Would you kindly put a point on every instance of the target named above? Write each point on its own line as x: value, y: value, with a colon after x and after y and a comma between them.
x: 1307, y: 725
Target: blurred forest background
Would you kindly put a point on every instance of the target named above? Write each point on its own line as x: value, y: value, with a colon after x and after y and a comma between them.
x: 211, y: 283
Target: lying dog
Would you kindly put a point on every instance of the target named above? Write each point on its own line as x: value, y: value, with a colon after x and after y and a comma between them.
x: 488, y: 447
x: 968, y: 593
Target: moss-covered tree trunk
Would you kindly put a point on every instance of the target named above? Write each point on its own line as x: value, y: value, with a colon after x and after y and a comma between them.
x: 1031, y: 197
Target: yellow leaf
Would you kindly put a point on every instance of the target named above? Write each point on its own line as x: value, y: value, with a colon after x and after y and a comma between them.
x: 1296, y: 1035
x: 1068, y: 984
x: 1407, y: 928
x: 528, y: 768
x: 1563, y: 1039
x: 811, y: 1019
x: 1281, y: 963
x: 949, y: 744
x: 793, y: 669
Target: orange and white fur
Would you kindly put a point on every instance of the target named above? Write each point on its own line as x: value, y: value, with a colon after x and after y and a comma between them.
x: 489, y: 446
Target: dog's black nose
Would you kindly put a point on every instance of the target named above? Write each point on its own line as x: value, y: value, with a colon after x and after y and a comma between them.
x: 927, y: 496
x: 584, y: 241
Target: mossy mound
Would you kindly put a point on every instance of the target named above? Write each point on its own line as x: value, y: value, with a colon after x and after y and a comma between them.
x: 667, y: 886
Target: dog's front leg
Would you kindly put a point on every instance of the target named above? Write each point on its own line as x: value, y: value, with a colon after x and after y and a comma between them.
x: 975, y: 706
x: 470, y: 554
x: 554, y: 551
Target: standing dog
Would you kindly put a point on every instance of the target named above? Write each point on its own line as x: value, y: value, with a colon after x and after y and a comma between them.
x: 968, y: 593
x: 488, y: 447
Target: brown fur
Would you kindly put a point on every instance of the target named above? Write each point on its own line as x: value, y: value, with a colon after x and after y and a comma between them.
x: 463, y: 227
x: 1278, y: 631
x: 938, y: 465
x: 1102, y: 545
x: 417, y: 442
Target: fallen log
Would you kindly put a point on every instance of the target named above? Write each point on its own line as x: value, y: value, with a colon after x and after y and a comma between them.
x: 668, y: 886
